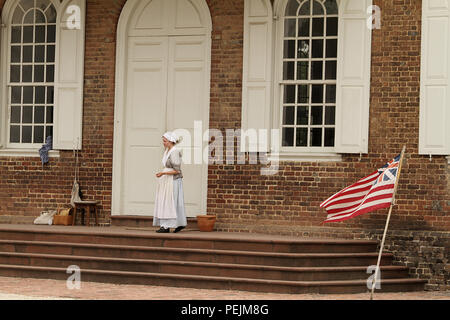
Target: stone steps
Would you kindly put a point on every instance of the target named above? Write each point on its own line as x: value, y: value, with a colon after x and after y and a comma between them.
x: 198, y: 260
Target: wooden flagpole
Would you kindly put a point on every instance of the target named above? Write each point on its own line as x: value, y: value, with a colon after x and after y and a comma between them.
x: 374, y: 282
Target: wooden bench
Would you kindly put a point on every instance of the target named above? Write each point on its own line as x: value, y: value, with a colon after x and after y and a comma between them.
x: 86, y: 207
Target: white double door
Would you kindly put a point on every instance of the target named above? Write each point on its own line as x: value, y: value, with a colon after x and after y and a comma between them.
x: 167, y: 88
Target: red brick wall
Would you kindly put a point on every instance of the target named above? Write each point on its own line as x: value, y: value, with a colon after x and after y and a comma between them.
x: 242, y: 198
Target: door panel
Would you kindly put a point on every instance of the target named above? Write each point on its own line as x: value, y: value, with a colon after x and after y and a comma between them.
x: 186, y: 104
x: 145, y: 122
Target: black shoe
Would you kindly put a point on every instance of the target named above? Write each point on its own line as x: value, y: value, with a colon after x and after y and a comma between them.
x: 162, y: 230
x: 179, y: 229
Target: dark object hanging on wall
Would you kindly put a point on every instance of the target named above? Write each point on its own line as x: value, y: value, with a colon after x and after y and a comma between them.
x: 46, y: 148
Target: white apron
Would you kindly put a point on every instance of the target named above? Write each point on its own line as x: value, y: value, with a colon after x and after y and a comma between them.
x: 164, y: 201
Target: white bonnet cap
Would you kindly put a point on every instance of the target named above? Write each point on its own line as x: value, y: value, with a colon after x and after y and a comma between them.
x: 172, y: 137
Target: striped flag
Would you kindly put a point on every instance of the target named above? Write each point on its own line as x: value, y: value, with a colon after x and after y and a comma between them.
x: 371, y: 193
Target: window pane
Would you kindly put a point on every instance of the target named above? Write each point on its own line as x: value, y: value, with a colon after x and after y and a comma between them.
x: 331, y: 94
x: 14, y: 134
x: 39, y: 115
x: 15, y: 54
x: 42, y: 4
x: 291, y: 8
x: 288, y: 70
x: 29, y: 17
x: 303, y: 94
x: 303, y: 116
x: 50, y: 94
x: 40, y: 18
x: 39, y: 73
x: 329, y: 137
x: 303, y: 49
x: 51, y: 33
x: 28, y: 54
x: 332, y: 27
x: 289, y: 116
x: 16, y: 95
x: 27, y: 133
x: 305, y: 9
x: 317, y: 93
x: 51, y: 14
x: 289, y: 49
x: 318, y: 27
x: 39, y: 95
x: 16, y: 34
x: 317, y: 8
x: 317, y: 48
x: 28, y: 95
x: 331, y: 7
x: 48, y: 132
x: 39, y: 54
x: 28, y: 36
x: 50, y: 73
x: 317, y: 116
x: 39, y: 135
x: 51, y: 54
x: 15, y: 74
x: 330, y: 116
x: 27, y: 115
x: 302, y: 70
x: 40, y: 34
x: 316, y: 137
x: 288, y: 137
x: 18, y: 16
x: 27, y: 73
x: 16, y: 114
x: 330, y: 70
x: 332, y: 48
x: 303, y: 27
x: 302, y: 137
x: 27, y: 4
x: 49, y: 115
x: 317, y: 70
x: 289, y: 94
x: 289, y: 27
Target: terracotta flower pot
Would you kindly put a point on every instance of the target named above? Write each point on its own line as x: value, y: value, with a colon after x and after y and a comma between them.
x: 206, y: 223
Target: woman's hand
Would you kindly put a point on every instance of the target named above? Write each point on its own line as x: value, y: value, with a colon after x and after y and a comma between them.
x: 160, y: 174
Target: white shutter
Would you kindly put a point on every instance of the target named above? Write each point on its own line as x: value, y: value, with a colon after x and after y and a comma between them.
x: 435, y: 77
x: 69, y: 76
x: 353, y: 83
x: 257, y: 77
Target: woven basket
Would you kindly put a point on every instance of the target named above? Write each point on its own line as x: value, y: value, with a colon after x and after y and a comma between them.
x: 60, y: 220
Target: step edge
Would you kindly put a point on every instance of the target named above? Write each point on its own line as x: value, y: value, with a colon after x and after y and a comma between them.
x: 201, y: 263
x: 194, y: 250
x: 221, y: 279
x: 191, y: 237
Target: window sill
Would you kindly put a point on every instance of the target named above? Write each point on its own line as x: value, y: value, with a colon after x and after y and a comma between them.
x: 31, y: 153
x: 305, y: 157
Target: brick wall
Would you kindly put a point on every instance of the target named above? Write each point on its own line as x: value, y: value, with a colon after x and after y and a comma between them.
x: 243, y: 200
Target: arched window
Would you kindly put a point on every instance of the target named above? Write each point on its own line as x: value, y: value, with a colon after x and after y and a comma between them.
x: 41, y: 74
x: 31, y: 69
x: 309, y: 65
